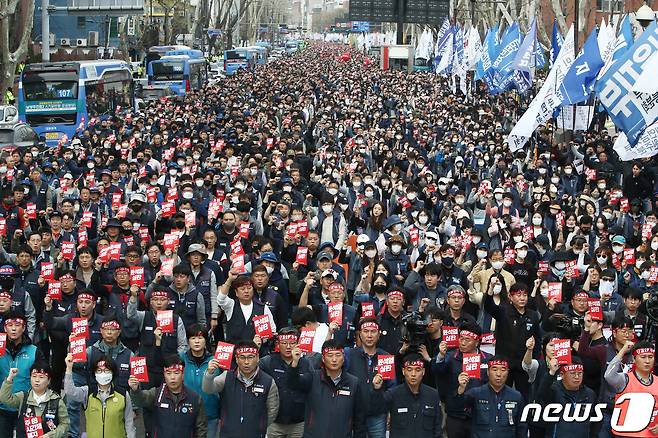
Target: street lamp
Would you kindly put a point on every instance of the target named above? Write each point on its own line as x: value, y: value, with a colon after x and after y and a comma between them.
x: 645, y: 16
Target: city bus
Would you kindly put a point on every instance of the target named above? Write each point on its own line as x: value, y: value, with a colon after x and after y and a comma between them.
x: 59, y: 98
x: 239, y: 59
x: 178, y: 72
x: 157, y: 52
x: 259, y: 54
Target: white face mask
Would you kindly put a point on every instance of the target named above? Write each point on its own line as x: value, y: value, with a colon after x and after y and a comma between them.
x: 287, y: 189
x: 396, y: 248
x: 498, y: 196
x: 568, y: 171
x: 638, y: 263
x: 517, y: 239
x: 481, y: 254
x: 188, y: 195
x: 239, y: 186
x: 332, y: 191
x: 646, y: 275
x: 269, y: 270
x: 103, y: 378
x: 507, y: 203
x: 521, y: 253
x: 199, y: 183
x: 371, y: 253
x: 411, y: 196
x: 497, y: 289
x: 459, y: 201
x: 356, y: 184
x: 173, y: 172
x: 90, y: 165
x: 559, y: 266
x: 605, y: 288
x: 344, y: 207
x: 327, y: 208
x: 497, y: 265
x: 617, y: 249
x: 601, y: 259
x: 423, y: 219
x: 607, y: 215
x: 536, y: 221
x: 369, y: 194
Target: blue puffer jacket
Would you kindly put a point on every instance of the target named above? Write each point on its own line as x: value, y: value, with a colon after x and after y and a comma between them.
x: 193, y: 378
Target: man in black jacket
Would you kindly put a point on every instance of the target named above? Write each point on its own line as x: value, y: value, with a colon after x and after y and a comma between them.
x: 334, y: 398
x: 290, y: 420
x: 414, y: 407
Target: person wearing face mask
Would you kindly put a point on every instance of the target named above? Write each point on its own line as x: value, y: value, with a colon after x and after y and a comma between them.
x: 170, y: 178
x: 479, y: 282
x: 569, y: 181
x: 365, y: 255
x: 396, y: 257
x: 108, y: 410
x: 330, y: 223
x: 631, y: 220
x: 611, y: 301
x: 522, y: 268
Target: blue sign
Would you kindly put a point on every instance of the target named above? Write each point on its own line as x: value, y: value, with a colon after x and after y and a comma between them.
x: 360, y: 26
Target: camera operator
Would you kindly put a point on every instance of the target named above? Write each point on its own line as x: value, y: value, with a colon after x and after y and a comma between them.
x: 567, y: 319
x: 430, y: 346
x: 514, y: 324
x: 447, y: 368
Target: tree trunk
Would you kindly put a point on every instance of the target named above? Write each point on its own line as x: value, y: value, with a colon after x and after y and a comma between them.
x: 559, y: 16
x: 10, y: 59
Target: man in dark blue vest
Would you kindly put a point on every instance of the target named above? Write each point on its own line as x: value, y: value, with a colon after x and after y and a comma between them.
x: 177, y: 410
x: 250, y: 398
x: 187, y: 302
x: 204, y: 281
x: 240, y: 311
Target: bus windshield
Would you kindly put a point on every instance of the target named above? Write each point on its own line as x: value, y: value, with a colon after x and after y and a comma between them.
x: 50, y: 85
x: 234, y: 54
x: 167, y: 70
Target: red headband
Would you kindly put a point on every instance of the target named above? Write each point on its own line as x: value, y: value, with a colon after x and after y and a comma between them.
x: 500, y: 363
x: 4, y: 294
x: 40, y: 371
x: 14, y: 321
x: 246, y: 350
x: 175, y: 368
x: 518, y: 291
x: 331, y: 350
x: 581, y: 294
x: 646, y: 350
x: 396, y: 293
x: 370, y: 325
x: 85, y: 296
x: 66, y: 277
x: 122, y: 269
x: 573, y: 367
x: 415, y: 363
x: 469, y: 334
x: 288, y: 337
x: 111, y: 324
x: 452, y: 292
x: 159, y: 294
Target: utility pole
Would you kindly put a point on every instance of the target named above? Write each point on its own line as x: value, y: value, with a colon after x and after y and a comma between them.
x: 576, y: 7
x: 45, y: 31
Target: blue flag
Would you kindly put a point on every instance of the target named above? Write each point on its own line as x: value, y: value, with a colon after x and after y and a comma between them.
x: 442, y: 41
x: 631, y: 112
x: 502, y: 65
x: 525, y: 60
x: 484, y: 64
x: 624, y: 39
x: 556, y: 42
x: 540, y: 59
x: 579, y: 81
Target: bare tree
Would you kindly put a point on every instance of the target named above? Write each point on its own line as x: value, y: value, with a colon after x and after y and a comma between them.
x: 18, y: 24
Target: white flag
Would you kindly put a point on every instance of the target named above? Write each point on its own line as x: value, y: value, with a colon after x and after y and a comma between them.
x: 549, y: 97
x: 446, y: 59
x: 473, y: 49
x: 647, y: 145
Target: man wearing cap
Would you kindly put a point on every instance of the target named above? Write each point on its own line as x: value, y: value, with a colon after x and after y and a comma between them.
x: 335, y: 401
x: 414, y: 408
x: 21, y: 354
x: 250, y: 397
x: 522, y: 268
x: 362, y: 362
x: 640, y: 379
x: 204, y: 281
x: 177, y: 410
x: 396, y: 258
x: 240, y: 311
x: 290, y: 419
x: 36, y: 401
x: 118, y: 305
x: 275, y: 270
x: 316, y: 286
x: 495, y: 408
x: 566, y: 391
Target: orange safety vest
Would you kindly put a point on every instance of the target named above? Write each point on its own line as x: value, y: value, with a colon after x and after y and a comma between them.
x: 635, y: 385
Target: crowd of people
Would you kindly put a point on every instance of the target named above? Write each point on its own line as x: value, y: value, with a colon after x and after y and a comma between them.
x: 320, y: 248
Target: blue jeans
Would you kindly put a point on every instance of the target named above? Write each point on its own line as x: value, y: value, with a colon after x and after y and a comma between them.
x: 376, y: 426
x: 74, y: 408
x: 213, y: 428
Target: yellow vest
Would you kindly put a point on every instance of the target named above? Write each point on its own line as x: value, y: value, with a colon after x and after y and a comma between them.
x: 114, y: 425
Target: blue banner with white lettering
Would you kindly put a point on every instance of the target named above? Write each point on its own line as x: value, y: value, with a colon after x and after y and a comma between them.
x: 631, y: 112
x: 579, y: 81
x: 525, y: 60
x: 556, y: 42
x: 489, y: 50
x: 442, y: 40
x: 502, y: 65
x: 624, y: 40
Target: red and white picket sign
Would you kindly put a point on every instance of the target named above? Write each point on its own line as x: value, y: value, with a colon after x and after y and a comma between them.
x: 555, y: 292
x: 224, y: 354
x: 33, y: 426
x: 3, y: 343
x: 386, y: 366
x: 263, y: 327
x: 190, y: 219
x: 367, y: 310
x: 47, y: 271
x: 302, y: 255
x: 78, y: 349
x: 55, y: 290
x: 80, y: 327
x: 137, y: 276
x: 629, y: 256
x: 170, y: 241
x: 167, y: 267
x: 31, y: 210
x: 68, y: 250
x: 138, y: 368
x: 306, y: 339
x: 471, y: 365
x: 238, y: 265
x: 562, y: 351
x: 335, y: 311
x: 164, y: 320
x: 83, y: 236
x: 451, y: 336
x: 595, y: 309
